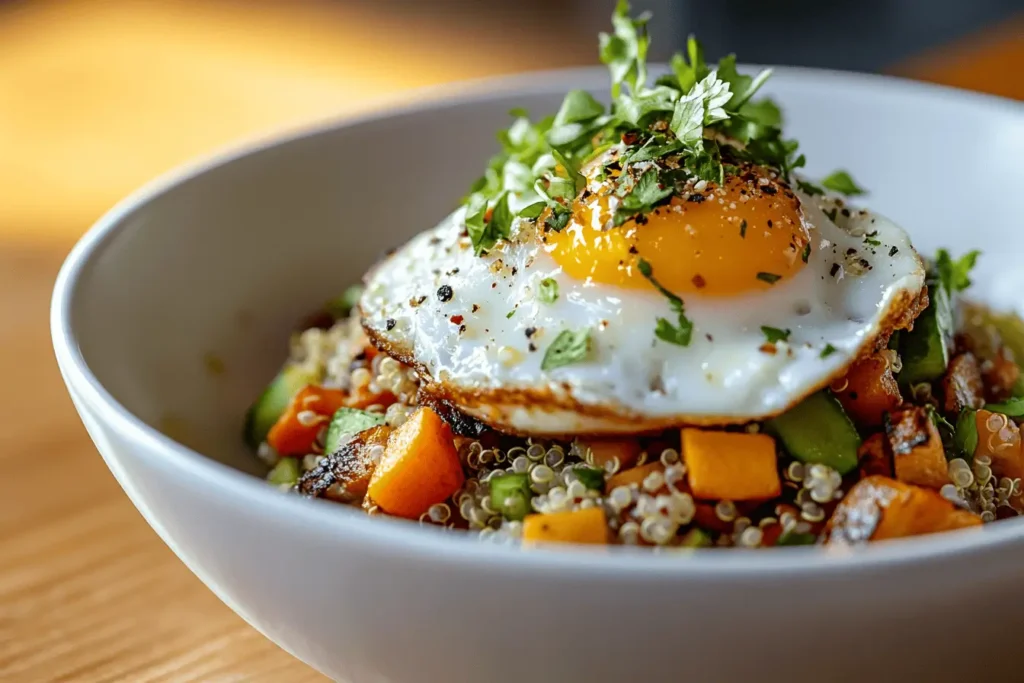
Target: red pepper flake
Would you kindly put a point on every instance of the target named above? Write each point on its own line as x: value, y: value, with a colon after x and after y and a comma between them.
x: 769, y: 349
x: 456, y: 319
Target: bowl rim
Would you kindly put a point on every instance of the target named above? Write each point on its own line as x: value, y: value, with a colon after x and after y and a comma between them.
x: 399, y: 538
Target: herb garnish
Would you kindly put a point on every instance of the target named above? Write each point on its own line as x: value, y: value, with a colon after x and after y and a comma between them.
x: 770, y: 278
x: 954, y: 275
x: 664, y: 330
x: 806, y: 253
x: 827, y: 351
x: 743, y: 229
x: 843, y: 183
x: 567, y: 348
x: 774, y: 334
x: 548, y: 290
x: 871, y: 239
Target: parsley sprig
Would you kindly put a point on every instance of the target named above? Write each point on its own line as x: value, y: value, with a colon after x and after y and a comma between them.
x: 679, y: 333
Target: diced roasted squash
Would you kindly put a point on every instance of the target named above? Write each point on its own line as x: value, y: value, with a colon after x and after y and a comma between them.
x: 868, y: 391
x: 999, y: 438
x: 730, y: 465
x: 879, y: 508
x: 344, y: 475
x: 962, y: 386
x: 873, y: 457
x: 603, y: 451
x: 916, y: 447
x: 587, y: 526
x: 309, y: 411
x: 635, y: 475
x: 1001, y: 374
x: 420, y: 467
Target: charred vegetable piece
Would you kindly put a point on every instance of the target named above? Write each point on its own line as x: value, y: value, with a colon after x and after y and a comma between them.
x: 817, y: 430
x: 916, y: 447
x: 591, y: 477
x: 285, y: 472
x: 874, y: 457
x: 868, y: 391
x: 603, y: 451
x: 587, y: 526
x: 879, y: 508
x: 962, y: 385
x: 730, y: 465
x: 925, y: 349
x: 511, y: 494
x: 420, y: 467
x: 309, y: 411
x: 274, y: 400
x: 344, y: 475
x: 346, y: 423
x: 635, y: 475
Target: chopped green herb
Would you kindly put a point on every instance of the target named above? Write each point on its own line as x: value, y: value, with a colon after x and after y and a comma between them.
x: 695, y: 538
x: 591, y: 477
x: 679, y: 334
x: 791, y: 538
x: 805, y: 255
x: 743, y: 87
x: 827, y: 351
x: 548, y: 290
x: 510, y: 313
x: 645, y: 194
x: 832, y: 213
x: 568, y: 347
x: 625, y: 50
x: 809, y: 188
x: 1012, y: 408
x: 770, y: 278
x: 841, y: 182
x: 743, y: 228
x: 954, y: 276
x: 774, y: 334
x: 871, y: 239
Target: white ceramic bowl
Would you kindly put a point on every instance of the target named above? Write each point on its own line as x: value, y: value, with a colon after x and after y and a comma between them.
x: 222, y: 258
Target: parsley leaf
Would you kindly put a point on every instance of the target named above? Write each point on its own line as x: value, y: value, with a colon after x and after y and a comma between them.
x: 635, y: 108
x: 655, y: 147
x: 954, y: 275
x: 841, y: 182
x: 871, y: 239
x: 547, y: 291
x: 774, y: 334
x: 770, y: 278
x: 642, y: 196
x: 625, y: 51
x: 743, y: 87
x: 568, y: 347
x: 679, y: 334
x: 827, y: 351
x: 809, y: 188
x: 578, y: 105
x: 806, y: 253
x: 689, y: 71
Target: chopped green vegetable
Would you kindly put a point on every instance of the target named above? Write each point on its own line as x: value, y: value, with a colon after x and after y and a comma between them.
x: 1012, y: 408
x: 511, y: 494
x: 843, y: 183
x: 341, y: 306
x: 346, y: 423
x: 695, y: 538
x: 568, y: 347
x: 925, y: 349
x: 965, y: 434
x: 274, y: 400
x: 827, y: 351
x: 664, y: 330
x: 285, y: 472
x: 817, y: 430
x: 591, y: 477
x: 548, y: 290
x: 791, y: 538
x: 774, y: 334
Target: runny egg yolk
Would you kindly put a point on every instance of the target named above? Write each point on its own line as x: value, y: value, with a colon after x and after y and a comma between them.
x: 744, y: 236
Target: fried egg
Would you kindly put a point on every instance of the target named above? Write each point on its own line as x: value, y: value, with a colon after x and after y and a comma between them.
x: 783, y: 291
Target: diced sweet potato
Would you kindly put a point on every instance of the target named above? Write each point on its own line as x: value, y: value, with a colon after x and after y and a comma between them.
x: 603, y: 451
x: 309, y: 411
x: 344, y: 475
x: 873, y: 457
x: 587, y: 526
x: 364, y: 398
x: 730, y: 465
x: 999, y: 438
x: 879, y: 508
x: 868, y: 391
x: 1000, y: 373
x: 916, y: 447
x: 962, y: 386
x: 420, y: 467
x: 635, y: 475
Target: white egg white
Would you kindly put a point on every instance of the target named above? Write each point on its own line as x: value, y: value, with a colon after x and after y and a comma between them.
x: 483, y: 347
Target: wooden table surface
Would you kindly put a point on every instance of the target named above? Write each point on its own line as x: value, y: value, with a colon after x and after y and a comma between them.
x: 95, y: 98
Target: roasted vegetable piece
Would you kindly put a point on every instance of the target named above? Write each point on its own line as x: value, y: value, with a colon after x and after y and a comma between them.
x: 635, y: 475
x: 510, y: 494
x: 925, y: 349
x: 730, y: 465
x: 999, y: 439
x: 868, y: 391
x: 604, y: 451
x: 879, y: 508
x: 345, y: 474
x: 916, y: 446
x: 1001, y: 375
x: 817, y: 430
x: 420, y: 467
x: 268, y: 408
x: 310, y: 411
x: 874, y: 458
x: 576, y: 526
x: 991, y: 335
x: 962, y: 386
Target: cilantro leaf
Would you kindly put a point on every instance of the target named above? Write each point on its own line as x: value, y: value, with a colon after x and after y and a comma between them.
x: 827, y: 351
x: 636, y: 107
x: 689, y: 71
x: 642, y: 196
x: 567, y: 348
x: 841, y: 182
x: 743, y: 87
x: 679, y: 334
x: 754, y: 120
x: 688, y: 121
x: 578, y: 105
x: 770, y: 278
x: 625, y: 51
x: 547, y: 291
x: 808, y: 187
x: 774, y: 334
x: 483, y: 233
x: 532, y: 211
x: 954, y: 276
x: 656, y: 147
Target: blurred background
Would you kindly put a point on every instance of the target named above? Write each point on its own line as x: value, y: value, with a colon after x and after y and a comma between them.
x: 99, y: 96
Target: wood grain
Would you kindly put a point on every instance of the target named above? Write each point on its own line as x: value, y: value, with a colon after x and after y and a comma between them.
x: 95, y: 98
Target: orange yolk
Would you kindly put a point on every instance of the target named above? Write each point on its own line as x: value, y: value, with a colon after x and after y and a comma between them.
x: 743, y: 236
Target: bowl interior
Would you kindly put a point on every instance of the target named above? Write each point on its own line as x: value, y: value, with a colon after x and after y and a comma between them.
x: 183, y: 310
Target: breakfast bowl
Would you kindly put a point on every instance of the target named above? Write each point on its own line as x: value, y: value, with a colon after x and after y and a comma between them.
x: 170, y: 315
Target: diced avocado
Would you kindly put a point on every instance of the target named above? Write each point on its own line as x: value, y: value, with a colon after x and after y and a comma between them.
x: 511, y: 494
x: 274, y: 401
x: 1011, y: 332
x: 347, y: 422
x: 925, y: 349
x: 695, y: 538
x: 340, y: 306
x: 285, y: 472
x: 965, y: 435
x: 789, y: 538
x: 817, y: 430
x: 591, y: 477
